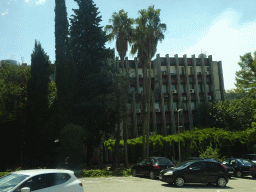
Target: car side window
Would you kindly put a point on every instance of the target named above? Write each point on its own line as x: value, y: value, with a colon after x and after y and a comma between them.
x: 149, y: 161
x: 60, y: 178
x: 143, y: 162
x: 198, y: 165
x: 39, y: 182
x: 233, y: 162
x: 226, y: 162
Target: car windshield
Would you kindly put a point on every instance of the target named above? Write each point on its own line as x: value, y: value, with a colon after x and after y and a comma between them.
x: 9, y: 181
x: 246, y: 162
x: 162, y: 161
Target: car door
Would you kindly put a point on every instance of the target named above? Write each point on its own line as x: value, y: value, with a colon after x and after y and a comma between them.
x: 141, y: 166
x: 195, y: 172
x: 212, y: 171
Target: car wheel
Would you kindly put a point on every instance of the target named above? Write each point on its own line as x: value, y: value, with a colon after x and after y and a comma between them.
x: 221, y: 182
x: 134, y: 174
x: 179, y: 181
x: 152, y: 175
x: 239, y: 174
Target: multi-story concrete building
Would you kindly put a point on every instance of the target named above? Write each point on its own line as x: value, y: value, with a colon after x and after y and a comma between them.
x: 177, y: 83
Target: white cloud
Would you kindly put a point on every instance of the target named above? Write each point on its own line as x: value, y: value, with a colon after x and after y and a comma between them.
x: 37, y: 2
x: 226, y: 40
x: 5, y: 13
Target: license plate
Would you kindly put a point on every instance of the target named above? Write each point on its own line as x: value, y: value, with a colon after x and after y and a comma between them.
x: 231, y: 172
x: 160, y: 177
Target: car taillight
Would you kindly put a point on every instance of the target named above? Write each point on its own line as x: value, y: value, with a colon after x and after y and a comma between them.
x: 156, y: 166
x: 223, y: 166
x: 81, y: 184
x: 252, y: 169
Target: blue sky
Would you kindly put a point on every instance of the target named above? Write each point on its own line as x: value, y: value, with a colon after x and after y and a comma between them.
x: 224, y: 29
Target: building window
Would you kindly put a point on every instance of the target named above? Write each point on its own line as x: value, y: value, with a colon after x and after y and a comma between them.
x: 172, y: 70
x: 129, y: 106
x: 137, y: 106
x: 163, y: 72
x: 181, y: 70
x: 173, y: 87
x: 199, y: 88
x: 192, y: 105
x: 182, y: 89
x: 166, y: 108
x: 184, y: 105
x: 140, y: 89
x: 207, y: 88
x: 157, y: 106
x: 174, y: 105
x: 191, y: 86
x: 132, y: 89
x: 190, y: 71
x: 164, y: 88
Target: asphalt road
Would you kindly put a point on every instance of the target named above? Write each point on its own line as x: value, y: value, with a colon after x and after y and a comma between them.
x: 143, y: 184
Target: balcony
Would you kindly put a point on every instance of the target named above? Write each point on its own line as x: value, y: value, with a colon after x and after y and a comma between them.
x: 191, y: 79
x: 193, y: 96
x: 208, y: 79
x: 174, y: 79
x: 199, y: 78
x: 189, y: 60
x: 164, y: 79
x: 158, y: 118
x: 163, y: 61
x: 131, y: 64
x: 168, y: 117
x: 133, y: 82
x: 157, y: 97
x: 182, y: 79
x: 201, y: 96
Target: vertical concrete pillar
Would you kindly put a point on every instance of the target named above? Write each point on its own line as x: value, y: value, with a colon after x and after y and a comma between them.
x: 221, y: 80
x: 212, y: 78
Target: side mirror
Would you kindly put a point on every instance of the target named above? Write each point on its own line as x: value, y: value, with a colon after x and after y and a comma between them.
x: 25, y: 189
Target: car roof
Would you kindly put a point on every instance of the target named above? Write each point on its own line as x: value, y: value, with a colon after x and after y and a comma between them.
x: 158, y: 157
x: 32, y: 172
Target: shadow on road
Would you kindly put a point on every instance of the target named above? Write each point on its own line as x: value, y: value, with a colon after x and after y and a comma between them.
x: 198, y: 186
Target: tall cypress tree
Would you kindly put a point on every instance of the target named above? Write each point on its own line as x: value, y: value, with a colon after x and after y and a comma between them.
x: 65, y: 66
x: 38, y: 99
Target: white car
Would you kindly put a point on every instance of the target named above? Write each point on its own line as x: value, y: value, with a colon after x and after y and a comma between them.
x: 41, y: 180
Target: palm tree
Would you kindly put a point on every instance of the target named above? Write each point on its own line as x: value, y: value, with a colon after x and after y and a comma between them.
x: 121, y: 29
x: 148, y: 32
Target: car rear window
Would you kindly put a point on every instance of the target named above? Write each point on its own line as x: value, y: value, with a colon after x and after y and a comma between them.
x: 246, y: 162
x: 162, y: 161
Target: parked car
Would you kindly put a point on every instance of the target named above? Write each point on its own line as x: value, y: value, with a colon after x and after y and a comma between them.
x: 251, y: 157
x: 151, y: 166
x: 41, y: 180
x: 243, y: 167
x: 231, y: 170
x: 200, y: 171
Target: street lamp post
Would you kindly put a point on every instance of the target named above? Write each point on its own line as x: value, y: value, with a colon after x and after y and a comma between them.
x: 179, y: 133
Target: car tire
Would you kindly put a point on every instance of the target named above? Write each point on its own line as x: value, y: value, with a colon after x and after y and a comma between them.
x: 134, y: 174
x: 239, y: 174
x: 152, y: 175
x: 221, y: 182
x: 179, y: 181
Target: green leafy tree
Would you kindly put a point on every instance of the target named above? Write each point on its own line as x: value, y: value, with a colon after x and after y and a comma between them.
x: 148, y: 32
x: 88, y: 47
x: 245, y: 78
x: 115, y: 99
x: 121, y: 29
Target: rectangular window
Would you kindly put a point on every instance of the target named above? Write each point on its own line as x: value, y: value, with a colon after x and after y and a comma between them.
x: 164, y: 88
x: 157, y: 106
x: 181, y: 70
x: 191, y: 86
x: 192, y: 105
x: 166, y: 108
x: 172, y: 70
x: 137, y: 106
x: 140, y: 89
x: 199, y: 88
x: 174, y: 105
x: 184, y: 105
x: 132, y: 89
x: 173, y: 87
x: 129, y: 106
x: 182, y: 89
x: 190, y: 71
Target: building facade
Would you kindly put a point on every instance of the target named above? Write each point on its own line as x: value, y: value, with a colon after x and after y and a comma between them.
x: 177, y: 83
